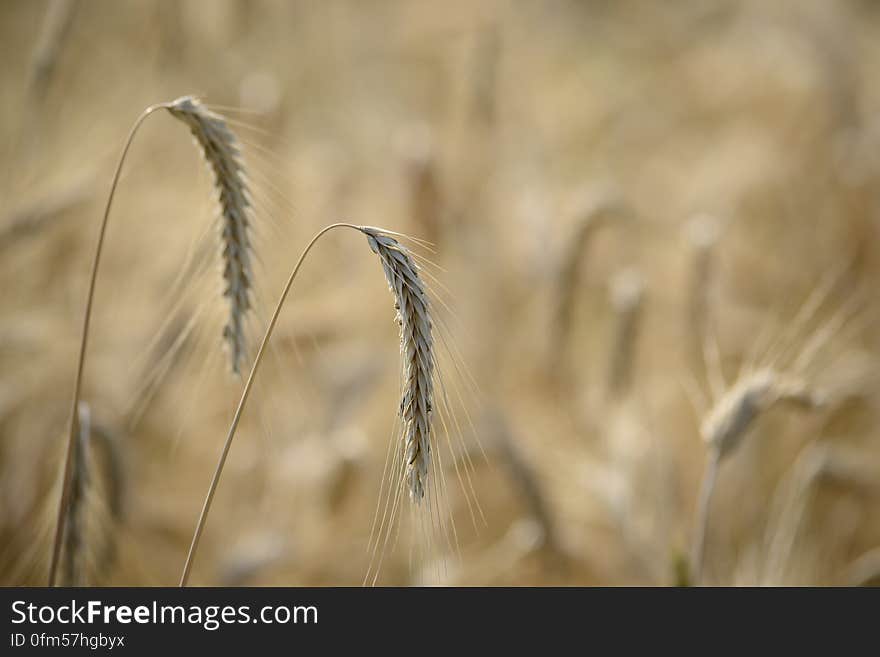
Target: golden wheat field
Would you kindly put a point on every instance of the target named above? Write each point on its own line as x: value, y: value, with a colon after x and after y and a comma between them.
x: 619, y: 325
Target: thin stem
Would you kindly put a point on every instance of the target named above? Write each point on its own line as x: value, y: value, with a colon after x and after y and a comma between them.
x: 706, y: 489
x: 241, y: 402
x: 77, y: 386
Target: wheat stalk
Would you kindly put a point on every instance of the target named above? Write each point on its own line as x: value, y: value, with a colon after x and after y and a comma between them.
x: 727, y: 422
x: 591, y: 211
x: 87, y: 316
x: 221, y: 151
x: 754, y: 394
x: 416, y: 405
x: 627, y: 291
x: 222, y: 148
x: 817, y: 465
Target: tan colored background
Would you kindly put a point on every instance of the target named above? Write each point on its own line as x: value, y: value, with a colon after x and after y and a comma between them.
x: 477, y: 126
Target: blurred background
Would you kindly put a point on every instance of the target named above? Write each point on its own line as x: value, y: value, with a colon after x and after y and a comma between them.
x: 629, y: 203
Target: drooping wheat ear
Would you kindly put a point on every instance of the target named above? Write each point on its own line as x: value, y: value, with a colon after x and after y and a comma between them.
x: 627, y: 292
x: 592, y: 209
x: 417, y: 349
x: 222, y: 152
x: 727, y: 422
x: 416, y: 406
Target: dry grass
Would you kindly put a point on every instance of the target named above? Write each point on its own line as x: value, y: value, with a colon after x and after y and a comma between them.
x: 727, y: 423
x: 741, y: 138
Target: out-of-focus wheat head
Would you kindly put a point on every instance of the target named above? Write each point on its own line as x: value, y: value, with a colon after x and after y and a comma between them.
x: 95, y: 512
x: 627, y: 292
x: 730, y: 418
x: 592, y: 208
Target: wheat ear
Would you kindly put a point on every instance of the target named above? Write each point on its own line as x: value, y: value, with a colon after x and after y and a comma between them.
x: 222, y: 153
x: 413, y: 314
x: 726, y: 424
x: 417, y: 350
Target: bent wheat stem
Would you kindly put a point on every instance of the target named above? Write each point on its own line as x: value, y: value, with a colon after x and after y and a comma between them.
x: 203, y: 516
x: 417, y: 349
x: 77, y: 386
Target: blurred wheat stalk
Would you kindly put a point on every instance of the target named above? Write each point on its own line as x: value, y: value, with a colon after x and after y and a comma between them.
x: 417, y: 349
